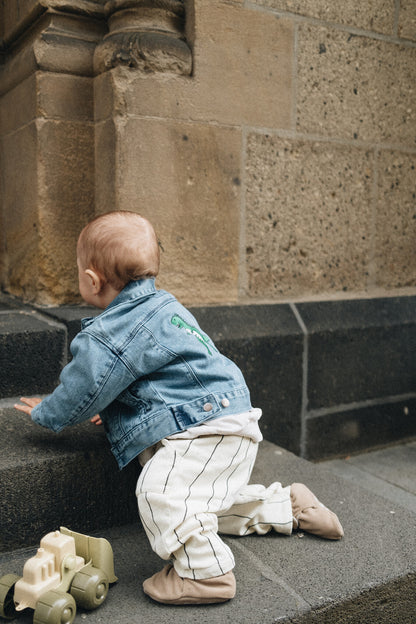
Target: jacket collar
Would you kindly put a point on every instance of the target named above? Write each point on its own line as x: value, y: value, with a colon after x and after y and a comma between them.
x: 133, y: 290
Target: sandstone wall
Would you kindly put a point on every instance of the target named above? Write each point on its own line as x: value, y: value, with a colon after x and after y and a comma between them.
x: 272, y: 143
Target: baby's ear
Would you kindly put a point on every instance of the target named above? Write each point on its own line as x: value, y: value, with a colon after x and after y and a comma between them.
x: 95, y: 280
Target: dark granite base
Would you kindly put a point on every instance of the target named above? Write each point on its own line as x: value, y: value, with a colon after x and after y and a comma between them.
x: 332, y: 378
x: 267, y: 344
x: 354, y: 430
x: 32, y: 352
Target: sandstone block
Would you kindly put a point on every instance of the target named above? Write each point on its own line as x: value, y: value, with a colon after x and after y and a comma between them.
x: 64, y: 96
x: 242, y: 72
x: 48, y: 198
x: 105, y: 166
x: 20, y: 218
x: 396, y: 220
x: 355, y: 88
x: 109, y: 96
x: 49, y: 95
x: 19, y: 106
x: 14, y: 14
x: 407, y: 19
x: 66, y: 203
x: 186, y: 178
x: 376, y: 15
x: 244, y: 60
x: 308, y: 217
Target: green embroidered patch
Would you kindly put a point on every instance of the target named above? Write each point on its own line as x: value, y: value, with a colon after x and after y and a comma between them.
x: 193, y: 331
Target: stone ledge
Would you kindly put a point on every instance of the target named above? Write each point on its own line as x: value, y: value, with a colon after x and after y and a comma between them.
x: 355, y: 429
x: 342, y: 382
x: 361, y: 372
x: 49, y: 480
x: 31, y: 353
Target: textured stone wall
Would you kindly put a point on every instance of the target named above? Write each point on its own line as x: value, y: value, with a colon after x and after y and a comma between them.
x: 272, y: 142
x: 333, y: 196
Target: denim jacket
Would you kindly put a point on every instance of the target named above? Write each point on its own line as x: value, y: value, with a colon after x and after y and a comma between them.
x: 147, y: 368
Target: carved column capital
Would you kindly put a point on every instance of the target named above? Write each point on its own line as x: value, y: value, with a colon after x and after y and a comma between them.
x: 148, y: 35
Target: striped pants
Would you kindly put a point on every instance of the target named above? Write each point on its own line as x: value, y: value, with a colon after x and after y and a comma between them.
x: 192, y: 489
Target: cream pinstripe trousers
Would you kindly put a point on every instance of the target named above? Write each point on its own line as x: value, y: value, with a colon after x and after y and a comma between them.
x: 192, y: 489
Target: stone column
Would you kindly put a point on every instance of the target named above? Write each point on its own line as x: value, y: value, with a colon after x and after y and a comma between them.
x: 53, y: 177
x: 47, y: 142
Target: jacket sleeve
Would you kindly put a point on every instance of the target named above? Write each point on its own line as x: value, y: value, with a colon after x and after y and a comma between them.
x: 92, y: 380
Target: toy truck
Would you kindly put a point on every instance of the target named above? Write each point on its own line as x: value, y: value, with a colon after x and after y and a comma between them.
x: 69, y: 569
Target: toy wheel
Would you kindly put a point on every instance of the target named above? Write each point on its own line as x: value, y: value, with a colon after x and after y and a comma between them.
x: 7, y: 608
x: 55, y: 608
x: 90, y: 587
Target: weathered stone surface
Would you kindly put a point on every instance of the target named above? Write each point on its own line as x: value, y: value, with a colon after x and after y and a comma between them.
x: 68, y: 44
x: 376, y: 15
x: 65, y: 97
x: 56, y: 42
x: 46, y: 207
x: 106, y: 170
x: 242, y: 73
x: 66, y: 188
x: 239, y: 53
x: 20, y: 196
x: 147, y: 36
x: 407, y: 19
x: 49, y: 95
x: 106, y: 98
x: 147, y: 52
x: 15, y: 15
x: 308, y: 220
x: 18, y: 15
x: 3, y: 251
x: 186, y: 179
x: 396, y: 220
x: 257, y: 65
x: 355, y: 88
x: 18, y: 107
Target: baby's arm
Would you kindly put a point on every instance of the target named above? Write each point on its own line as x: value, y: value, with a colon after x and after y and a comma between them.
x: 91, y: 381
x: 31, y: 402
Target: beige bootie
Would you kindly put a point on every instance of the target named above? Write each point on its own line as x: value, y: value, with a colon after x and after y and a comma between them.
x: 168, y: 587
x: 311, y: 515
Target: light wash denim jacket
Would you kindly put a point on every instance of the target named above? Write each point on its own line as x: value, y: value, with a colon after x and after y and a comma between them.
x: 147, y: 368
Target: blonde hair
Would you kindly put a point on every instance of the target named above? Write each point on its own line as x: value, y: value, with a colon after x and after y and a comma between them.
x: 121, y: 246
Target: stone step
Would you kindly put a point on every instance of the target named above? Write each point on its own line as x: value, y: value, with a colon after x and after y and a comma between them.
x: 368, y: 576
x: 32, y: 350
x: 49, y: 479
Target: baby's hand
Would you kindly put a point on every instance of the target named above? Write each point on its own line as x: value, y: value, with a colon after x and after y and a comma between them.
x: 97, y: 420
x: 29, y: 404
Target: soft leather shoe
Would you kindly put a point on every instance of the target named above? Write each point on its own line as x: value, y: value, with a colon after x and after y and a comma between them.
x: 168, y: 587
x: 311, y: 515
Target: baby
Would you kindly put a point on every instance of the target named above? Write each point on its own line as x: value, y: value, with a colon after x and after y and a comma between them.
x: 165, y: 394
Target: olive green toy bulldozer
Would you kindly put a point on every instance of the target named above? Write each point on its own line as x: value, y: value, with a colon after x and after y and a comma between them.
x: 69, y: 569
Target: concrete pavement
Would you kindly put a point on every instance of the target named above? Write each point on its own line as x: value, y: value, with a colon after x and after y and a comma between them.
x: 368, y: 576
